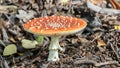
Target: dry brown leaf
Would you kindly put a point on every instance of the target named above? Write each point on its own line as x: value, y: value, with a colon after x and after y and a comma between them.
x: 101, y: 42
x: 64, y: 1
x: 83, y: 40
x: 24, y: 15
x: 12, y: 39
x: 99, y: 2
x: 74, y: 40
x: 63, y: 43
x: 117, y: 27
x: 6, y: 9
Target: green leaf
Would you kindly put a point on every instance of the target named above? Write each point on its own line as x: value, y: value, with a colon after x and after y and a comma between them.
x: 40, y: 39
x: 9, y: 50
x: 28, y: 44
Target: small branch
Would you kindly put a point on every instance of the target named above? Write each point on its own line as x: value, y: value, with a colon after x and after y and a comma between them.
x: 4, y: 63
x: 102, y: 10
x: 97, y: 37
x: 1, y: 42
x: 114, y: 50
x: 95, y: 63
x: 46, y: 41
x: 106, y: 63
x: 115, y: 4
x: 12, y: 31
x: 5, y: 36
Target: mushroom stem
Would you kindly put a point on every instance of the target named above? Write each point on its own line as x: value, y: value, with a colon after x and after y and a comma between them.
x: 53, y: 49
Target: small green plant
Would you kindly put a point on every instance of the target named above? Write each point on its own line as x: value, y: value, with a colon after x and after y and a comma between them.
x: 40, y: 39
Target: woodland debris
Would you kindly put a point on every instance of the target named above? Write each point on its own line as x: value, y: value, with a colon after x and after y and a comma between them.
x: 6, y: 9
x: 95, y: 63
x: 10, y: 50
x: 102, y: 10
x: 115, y: 4
x: 25, y: 16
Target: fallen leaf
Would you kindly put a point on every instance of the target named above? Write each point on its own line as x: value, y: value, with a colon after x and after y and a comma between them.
x: 83, y: 40
x: 101, y: 42
x: 64, y: 1
x: 98, y: 2
x: 9, y: 50
x: 74, y: 40
x: 117, y: 27
x: 6, y: 9
x: 28, y: 44
x: 63, y: 43
x: 12, y: 39
x: 25, y: 15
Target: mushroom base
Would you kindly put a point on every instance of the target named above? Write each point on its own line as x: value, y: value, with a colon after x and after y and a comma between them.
x: 53, y: 55
x: 53, y: 49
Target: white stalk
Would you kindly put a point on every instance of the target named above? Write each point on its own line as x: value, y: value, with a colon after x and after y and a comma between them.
x: 53, y: 49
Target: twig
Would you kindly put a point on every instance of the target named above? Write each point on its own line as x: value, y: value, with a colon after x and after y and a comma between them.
x: 43, y: 13
x: 12, y: 31
x: 97, y: 37
x: 46, y: 41
x: 106, y: 63
x: 5, y: 36
x: 4, y: 63
x: 102, y: 10
x: 45, y: 65
x: 115, y: 4
x: 1, y: 42
x: 113, y: 48
x: 86, y: 61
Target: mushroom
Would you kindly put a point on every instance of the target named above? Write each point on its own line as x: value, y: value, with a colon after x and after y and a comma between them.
x: 54, y: 26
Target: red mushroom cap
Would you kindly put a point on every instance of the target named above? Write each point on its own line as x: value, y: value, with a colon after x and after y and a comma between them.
x: 54, y: 25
